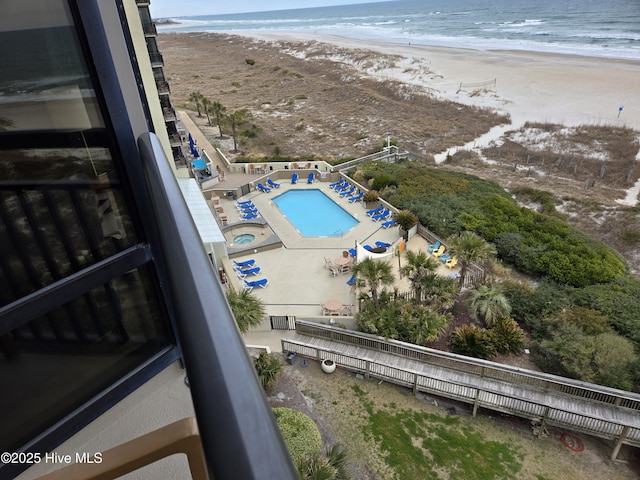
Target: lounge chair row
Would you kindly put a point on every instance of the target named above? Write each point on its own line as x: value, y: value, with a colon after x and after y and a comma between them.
x: 246, y: 268
x: 247, y: 210
x: 346, y: 190
x: 271, y: 184
x: 380, y: 213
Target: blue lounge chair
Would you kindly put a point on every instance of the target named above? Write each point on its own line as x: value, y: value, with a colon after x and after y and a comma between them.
x: 367, y: 247
x: 249, y: 213
x: 357, y: 198
x: 381, y: 216
x: 351, y: 281
x: 352, y: 252
x: 248, y: 271
x: 262, y: 283
x: 433, y: 247
x: 337, y: 184
x: 245, y: 205
x: 272, y: 184
x: 262, y: 188
x: 249, y: 217
x: 244, y: 202
x: 349, y: 192
x: 383, y: 244
x: 294, y: 178
x: 389, y: 223
x: 245, y: 264
x: 375, y: 211
x: 310, y: 178
x: 342, y: 188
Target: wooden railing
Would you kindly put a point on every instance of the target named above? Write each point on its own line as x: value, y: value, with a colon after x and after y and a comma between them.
x: 548, y: 399
x: 384, y: 155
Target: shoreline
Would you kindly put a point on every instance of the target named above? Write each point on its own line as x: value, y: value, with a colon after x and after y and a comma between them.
x: 530, y: 86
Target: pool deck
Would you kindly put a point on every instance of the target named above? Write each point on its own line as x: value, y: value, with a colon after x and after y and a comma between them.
x: 298, y: 280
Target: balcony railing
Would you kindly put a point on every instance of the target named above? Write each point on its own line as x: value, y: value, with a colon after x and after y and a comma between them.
x: 169, y: 114
x: 240, y: 437
x: 156, y: 59
x: 163, y: 87
x: 175, y: 140
x: 149, y: 29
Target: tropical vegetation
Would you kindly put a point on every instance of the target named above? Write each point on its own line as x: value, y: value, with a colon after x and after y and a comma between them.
x: 330, y: 466
x: 419, y: 316
x: 268, y: 368
x: 247, y: 309
x: 583, y: 310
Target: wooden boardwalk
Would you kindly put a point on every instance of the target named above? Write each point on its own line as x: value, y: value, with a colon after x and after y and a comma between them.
x: 546, y: 399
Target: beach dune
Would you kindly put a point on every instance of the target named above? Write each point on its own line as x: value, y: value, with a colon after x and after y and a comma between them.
x: 530, y: 86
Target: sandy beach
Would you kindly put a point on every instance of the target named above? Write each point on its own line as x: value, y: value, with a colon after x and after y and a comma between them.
x: 329, y: 97
x: 538, y: 87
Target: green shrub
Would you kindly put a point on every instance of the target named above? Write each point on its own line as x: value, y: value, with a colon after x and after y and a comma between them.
x: 371, y: 196
x: 472, y: 341
x: 406, y: 219
x: 381, y: 180
x: 507, y: 336
x: 268, y: 367
x: 300, y: 433
x: 606, y: 359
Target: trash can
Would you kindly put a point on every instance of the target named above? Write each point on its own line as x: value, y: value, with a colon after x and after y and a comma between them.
x: 290, y: 357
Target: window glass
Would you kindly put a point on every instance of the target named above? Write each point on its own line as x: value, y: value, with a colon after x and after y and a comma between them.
x: 66, y: 204
x: 53, y: 364
x: 57, y: 227
x: 44, y: 82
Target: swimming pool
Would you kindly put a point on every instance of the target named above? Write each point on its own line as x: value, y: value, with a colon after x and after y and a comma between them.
x: 314, y: 214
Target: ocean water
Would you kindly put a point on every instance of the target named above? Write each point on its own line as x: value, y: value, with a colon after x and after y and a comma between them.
x: 601, y: 28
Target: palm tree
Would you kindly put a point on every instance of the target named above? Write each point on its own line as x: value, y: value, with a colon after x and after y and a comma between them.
x: 247, y: 309
x: 469, y: 248
x: 236, y: 119
x: 206, y: 108
x: 419, y: 269
x: 374, y: 273
x: 489, y: 303
x: 218, y: 110
x: 439, y: 292
x: 424, y: 324
x: 196, y: 97
x: 268, y: 368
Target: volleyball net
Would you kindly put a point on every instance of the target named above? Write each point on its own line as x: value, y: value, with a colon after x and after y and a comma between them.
x: 473, y: 86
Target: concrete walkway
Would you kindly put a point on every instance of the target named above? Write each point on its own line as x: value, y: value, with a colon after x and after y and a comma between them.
x: 201, y: 141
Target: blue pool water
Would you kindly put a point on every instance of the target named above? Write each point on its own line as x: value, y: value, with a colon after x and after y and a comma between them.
x: 244, y: 239
x: 314, y: 214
